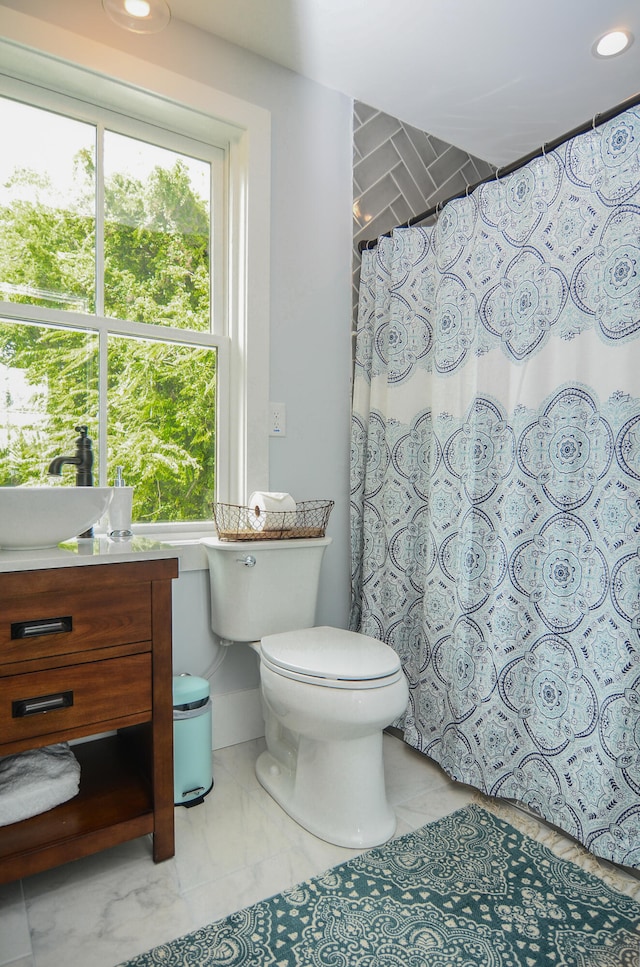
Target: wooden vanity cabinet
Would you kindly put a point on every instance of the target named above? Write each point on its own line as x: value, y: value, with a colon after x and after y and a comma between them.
x: 85, y: 651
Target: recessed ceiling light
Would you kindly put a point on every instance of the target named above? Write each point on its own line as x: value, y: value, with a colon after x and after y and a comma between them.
x: 137, y: 8
x: 612, y: 43
x: 140, y: 16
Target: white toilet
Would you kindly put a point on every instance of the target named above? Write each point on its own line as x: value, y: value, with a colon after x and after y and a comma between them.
x: 327, y: 693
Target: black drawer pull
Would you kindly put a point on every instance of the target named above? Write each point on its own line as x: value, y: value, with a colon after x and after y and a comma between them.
x: 43, y: 703
x: 42, y: 626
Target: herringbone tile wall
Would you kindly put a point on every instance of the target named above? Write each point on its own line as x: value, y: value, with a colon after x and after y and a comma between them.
x: 398, y: 172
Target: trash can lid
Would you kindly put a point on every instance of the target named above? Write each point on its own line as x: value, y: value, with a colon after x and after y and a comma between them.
x: 189, y: 688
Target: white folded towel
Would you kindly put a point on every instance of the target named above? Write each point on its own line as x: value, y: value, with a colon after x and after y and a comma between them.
x: 32, y: 782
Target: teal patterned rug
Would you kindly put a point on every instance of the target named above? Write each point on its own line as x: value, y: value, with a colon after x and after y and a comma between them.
x: 466, y: 890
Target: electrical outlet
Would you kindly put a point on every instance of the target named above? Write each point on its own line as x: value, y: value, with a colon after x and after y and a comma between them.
x: 278, y: 419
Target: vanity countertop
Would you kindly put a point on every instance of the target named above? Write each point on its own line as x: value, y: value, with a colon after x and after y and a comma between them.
x: 85, y: 551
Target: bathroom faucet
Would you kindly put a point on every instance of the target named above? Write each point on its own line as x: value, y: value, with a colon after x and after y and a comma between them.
x: 82, y: 460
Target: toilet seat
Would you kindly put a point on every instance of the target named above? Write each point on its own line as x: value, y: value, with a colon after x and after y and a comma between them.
x: 331, y: 657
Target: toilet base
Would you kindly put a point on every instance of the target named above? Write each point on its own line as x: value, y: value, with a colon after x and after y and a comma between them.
x: 331, y: 793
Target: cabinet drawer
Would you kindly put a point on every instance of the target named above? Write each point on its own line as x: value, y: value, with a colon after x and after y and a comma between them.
x: 92, y: 694
x: 61, y: 623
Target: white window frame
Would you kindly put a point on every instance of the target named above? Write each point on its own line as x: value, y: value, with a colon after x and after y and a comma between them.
x: 211, y: 116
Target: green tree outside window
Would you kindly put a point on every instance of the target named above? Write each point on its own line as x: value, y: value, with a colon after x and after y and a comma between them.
x: 161, y: 397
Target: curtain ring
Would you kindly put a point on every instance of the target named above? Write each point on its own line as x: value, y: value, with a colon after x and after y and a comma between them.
x: 544, y: 150
x: 593, y: 123
x: 497, y: 174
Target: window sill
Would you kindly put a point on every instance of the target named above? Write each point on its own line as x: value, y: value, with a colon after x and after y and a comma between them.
x: 184, y: 537
x: 192, y: 554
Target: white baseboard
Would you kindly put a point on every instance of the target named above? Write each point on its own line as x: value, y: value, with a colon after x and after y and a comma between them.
x: 236, y: 717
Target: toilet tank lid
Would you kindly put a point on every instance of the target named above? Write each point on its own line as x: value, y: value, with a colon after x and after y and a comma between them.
x: 331, y: 653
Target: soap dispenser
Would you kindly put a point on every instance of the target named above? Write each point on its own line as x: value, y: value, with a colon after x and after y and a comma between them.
x: 120, y: 509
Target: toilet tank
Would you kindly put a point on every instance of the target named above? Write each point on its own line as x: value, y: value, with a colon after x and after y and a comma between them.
x: 262, y: 588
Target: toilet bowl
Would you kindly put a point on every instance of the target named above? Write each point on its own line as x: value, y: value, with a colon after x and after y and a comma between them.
x: 327, y: 694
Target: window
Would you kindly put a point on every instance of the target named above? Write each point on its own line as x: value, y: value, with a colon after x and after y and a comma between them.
x: 111, y: 300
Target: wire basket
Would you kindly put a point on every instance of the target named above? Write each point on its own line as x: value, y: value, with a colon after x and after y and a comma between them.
x: 236, y: 523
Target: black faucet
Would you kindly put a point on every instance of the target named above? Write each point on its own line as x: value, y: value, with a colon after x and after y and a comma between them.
x: 83, y: 460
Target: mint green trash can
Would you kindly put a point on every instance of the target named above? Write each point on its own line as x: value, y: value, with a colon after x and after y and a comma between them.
x: 192, y: 775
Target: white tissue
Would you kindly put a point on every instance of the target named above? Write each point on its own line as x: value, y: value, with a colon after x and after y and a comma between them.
x: 266, y: 509
x: 37, y: 780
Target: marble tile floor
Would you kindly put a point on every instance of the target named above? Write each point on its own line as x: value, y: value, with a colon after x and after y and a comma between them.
x: 234, y: 849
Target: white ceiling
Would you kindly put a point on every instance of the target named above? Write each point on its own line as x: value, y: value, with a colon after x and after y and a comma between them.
x: 498, y: 78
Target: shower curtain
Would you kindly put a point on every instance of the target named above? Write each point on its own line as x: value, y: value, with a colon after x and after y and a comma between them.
x: 496, y: 483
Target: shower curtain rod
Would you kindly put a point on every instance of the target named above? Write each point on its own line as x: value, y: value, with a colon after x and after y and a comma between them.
x: 597, y: 120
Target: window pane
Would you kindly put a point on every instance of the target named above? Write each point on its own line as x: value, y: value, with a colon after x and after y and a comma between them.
x: 161, y: 397
x: 161, y: 427
x: 47, y: 208
x: 157, y: 216
x: 48, y: 386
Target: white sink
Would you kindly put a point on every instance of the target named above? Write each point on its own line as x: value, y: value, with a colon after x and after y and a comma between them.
x: 35, y: 517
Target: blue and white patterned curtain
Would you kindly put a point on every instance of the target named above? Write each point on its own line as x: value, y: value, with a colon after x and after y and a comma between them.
x: 496, y: 483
